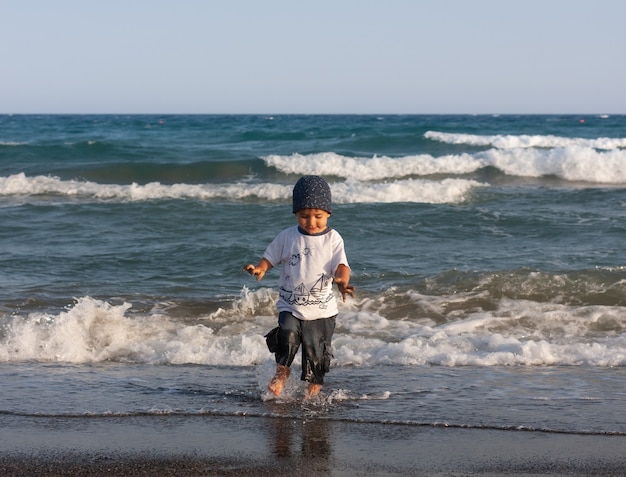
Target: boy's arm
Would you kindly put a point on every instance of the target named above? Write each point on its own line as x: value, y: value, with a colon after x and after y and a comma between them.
x: 259, y: 271
x: 342, y: 279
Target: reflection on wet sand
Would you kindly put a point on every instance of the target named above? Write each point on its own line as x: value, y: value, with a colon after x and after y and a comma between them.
x: 307, y: 441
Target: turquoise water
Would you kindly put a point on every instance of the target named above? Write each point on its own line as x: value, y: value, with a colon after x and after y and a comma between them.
x: 483, y: 248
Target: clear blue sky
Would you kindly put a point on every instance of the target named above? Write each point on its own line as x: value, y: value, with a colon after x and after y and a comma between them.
x: 322, y: 56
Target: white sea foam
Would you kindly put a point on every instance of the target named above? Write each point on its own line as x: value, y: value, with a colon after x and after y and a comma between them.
x: 12, y: 143
x: 502, y: 141
x: 20, y: 184
x: 573, y: 163
x: 96, y: 331
x: 363, y: 177
x: 432, y: 192
x: 517, y: 332
x: 374, y: 168
x: 447, y: 190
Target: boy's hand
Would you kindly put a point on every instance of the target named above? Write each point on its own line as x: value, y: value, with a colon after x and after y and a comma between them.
x: 342, y: 279
x: 344, y: 288
x: 259, y: 270
x: 254, y: 271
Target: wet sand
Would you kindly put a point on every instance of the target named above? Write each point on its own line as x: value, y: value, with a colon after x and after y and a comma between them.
x: 240, y: 445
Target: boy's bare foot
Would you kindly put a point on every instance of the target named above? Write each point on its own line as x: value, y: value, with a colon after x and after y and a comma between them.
x: 312, y: 390
x: 277, y: 383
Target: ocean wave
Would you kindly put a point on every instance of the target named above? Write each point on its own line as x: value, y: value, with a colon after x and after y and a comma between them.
x: 571, y: 163
x: 512, y: 332
x: 12, y: 143
x: 446, y: 191
x: 504, y: 141
x: 518, y: 332
x: 93, y: 331
x: 349, y: 192
x: 22, y: 185
x: 374, y: 168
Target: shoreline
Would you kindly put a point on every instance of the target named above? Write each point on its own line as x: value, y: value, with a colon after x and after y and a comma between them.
x: 240, y: 445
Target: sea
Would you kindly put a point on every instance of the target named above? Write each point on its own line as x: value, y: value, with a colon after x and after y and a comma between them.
x: 488, y: 254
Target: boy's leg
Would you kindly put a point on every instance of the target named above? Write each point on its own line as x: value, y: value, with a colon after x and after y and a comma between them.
x: 288, y: 344
x: 316, y: 352
x: 277, y: 383
x: 312, y: 390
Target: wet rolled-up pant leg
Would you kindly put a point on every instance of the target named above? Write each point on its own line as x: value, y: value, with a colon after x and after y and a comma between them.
x: 315, y: 336
x: 289, y: 332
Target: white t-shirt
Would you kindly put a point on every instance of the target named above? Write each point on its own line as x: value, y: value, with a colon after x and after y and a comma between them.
x: 308, y: 263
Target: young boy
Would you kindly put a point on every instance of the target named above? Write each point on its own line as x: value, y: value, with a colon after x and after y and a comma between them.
x: 312, y: 256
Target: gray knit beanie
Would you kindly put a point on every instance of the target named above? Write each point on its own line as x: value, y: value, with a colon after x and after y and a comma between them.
x: 311, y: 192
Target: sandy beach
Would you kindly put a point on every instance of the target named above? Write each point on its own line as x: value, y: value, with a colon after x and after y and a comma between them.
x: 221, y: 445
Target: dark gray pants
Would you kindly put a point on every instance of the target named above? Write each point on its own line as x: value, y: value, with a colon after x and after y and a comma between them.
x: 315, y: 336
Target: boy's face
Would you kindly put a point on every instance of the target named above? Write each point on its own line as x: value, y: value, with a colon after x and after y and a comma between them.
x: 312, y: 220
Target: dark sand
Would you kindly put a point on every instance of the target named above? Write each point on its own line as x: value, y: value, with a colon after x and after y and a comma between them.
x: 256, y: 446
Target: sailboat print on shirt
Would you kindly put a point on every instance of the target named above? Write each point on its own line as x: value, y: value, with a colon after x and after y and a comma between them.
x: 317, y: 295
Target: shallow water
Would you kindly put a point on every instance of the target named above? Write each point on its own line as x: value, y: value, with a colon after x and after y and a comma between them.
x: 573, y: 400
